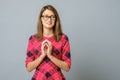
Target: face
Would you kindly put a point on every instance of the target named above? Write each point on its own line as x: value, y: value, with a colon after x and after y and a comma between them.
x: 48, y: 19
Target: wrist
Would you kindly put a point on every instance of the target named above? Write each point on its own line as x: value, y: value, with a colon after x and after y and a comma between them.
x: 50, y: 56
x: 43, y: 55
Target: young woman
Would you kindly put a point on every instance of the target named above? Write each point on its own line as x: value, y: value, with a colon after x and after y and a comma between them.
x: 48, y: 50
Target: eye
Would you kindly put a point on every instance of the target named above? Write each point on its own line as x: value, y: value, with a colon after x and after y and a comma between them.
x: 53, y: 16
x: 46, y: 16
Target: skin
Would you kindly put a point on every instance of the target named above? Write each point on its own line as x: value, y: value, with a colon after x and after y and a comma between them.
x: 47, y: 46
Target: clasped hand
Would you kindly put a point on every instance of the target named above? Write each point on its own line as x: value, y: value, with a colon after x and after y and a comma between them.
x: 46, y: 48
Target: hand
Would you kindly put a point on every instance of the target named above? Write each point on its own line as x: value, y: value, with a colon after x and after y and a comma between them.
x: 44, y: 48
x: 49, y: 48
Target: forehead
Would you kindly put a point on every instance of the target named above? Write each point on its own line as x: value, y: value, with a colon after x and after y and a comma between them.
x: 48, y: 12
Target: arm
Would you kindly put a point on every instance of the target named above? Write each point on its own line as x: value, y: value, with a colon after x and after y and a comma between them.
x: 61, y: 64
x: 65, y: 62
x: 32, y: 64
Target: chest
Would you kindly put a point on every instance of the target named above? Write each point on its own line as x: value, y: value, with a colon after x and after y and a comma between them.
x: 56, y: 49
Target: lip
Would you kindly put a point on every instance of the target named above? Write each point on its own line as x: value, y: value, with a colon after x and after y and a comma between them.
x: 49, y: 23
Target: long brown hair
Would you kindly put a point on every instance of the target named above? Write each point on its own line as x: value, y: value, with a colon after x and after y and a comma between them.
x: 57, y: 30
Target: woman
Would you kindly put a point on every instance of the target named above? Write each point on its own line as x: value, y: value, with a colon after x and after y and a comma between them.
x: 48, y: 50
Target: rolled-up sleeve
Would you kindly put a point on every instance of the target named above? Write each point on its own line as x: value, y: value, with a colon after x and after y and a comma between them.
x: 29, y: 51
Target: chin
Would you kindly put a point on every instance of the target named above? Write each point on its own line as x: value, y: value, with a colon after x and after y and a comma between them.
x: 49, y: 26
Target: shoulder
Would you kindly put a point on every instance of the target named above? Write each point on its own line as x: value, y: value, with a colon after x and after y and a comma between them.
x: 65, y: 37
x: 64, y: 40
x: 32, y: 37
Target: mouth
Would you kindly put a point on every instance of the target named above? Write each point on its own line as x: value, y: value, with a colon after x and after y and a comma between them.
x: 50, y: 23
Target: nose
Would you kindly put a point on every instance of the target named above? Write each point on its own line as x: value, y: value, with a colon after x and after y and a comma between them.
x: 50, y: 18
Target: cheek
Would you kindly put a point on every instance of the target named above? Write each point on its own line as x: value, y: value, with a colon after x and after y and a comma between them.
x: 43, y: 23
x: 53, y: 23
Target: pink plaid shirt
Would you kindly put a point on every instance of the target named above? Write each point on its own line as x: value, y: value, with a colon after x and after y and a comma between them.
x: 47, y: 70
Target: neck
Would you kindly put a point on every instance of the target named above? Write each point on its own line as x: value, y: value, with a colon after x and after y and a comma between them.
x: 48, y: 32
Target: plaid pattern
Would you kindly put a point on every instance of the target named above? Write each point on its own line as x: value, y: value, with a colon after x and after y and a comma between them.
x: 47, y: 70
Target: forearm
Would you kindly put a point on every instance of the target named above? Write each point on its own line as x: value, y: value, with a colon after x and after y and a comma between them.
x: 61, y: 64
x: 32, y: 65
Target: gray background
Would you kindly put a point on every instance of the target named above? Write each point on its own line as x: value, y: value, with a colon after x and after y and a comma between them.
x: 93, y: 27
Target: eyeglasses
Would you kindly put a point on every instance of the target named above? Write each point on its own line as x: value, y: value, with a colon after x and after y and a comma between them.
x: 46, y: 17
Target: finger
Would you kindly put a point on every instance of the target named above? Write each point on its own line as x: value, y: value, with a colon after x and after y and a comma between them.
x: 49, y: 43
x: 44, y: 42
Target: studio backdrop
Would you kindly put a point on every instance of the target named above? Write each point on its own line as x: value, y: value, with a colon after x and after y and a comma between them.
x: 93, y: 28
